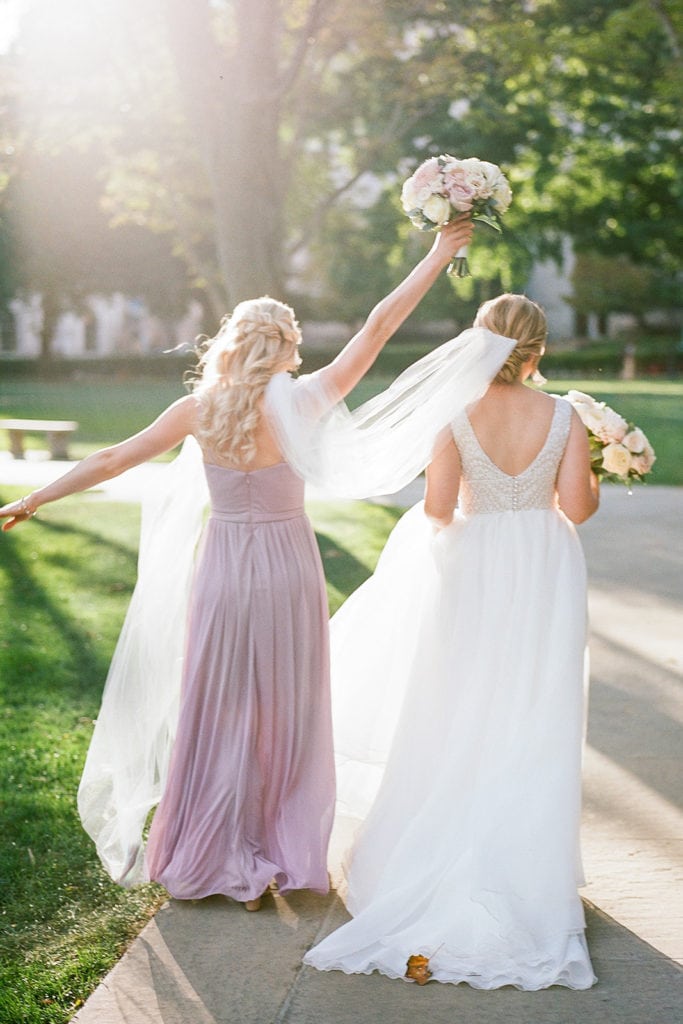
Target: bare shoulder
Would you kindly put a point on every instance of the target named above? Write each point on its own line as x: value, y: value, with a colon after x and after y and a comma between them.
x: 186, y: 409
x: 540, y: 399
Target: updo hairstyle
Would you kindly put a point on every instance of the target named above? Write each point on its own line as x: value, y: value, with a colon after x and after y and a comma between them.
x: 258, y: 340
x: 515, y: 316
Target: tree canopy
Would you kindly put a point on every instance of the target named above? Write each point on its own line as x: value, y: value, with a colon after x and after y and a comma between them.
x: 264, y: 142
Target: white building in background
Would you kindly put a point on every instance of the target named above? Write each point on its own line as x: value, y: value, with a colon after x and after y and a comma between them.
x: 28, y: 320
x: 549, y: 285
x: 112, y: 325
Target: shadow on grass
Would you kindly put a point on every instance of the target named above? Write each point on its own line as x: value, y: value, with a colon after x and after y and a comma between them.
x: 61, y: 529
x: 48, y: 654
x: 343, y: 570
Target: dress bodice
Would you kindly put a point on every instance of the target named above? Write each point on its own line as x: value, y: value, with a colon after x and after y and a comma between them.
x: 257, y: 496
x: 486, y: 488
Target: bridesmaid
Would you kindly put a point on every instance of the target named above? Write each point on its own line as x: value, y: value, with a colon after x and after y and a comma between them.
x: 248, y: 794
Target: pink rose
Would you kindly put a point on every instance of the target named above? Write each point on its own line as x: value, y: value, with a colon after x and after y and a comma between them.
x: 428, y: 175
x: 458, y: 189
x: 643, y: 461
x: 612, y: 426
x: 635, y: 440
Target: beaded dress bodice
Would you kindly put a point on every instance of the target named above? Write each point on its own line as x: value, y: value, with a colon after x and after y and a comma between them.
x: 485, y: 488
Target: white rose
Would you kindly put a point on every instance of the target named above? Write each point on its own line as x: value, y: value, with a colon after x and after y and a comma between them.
x: 635, y: 440
x: 612, y: 427
x: 592, y: 420
x: 409, y: 199
x: 414, y: 197
x: 580, y: 398
x: 451, y: 163
x: 616, y: 459
x: 437, y: 209
x: 590, y: 411
x: 475, y: 177
x: 501, y: 193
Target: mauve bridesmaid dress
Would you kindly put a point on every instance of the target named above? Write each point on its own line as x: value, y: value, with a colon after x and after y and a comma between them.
x: 251, y: 789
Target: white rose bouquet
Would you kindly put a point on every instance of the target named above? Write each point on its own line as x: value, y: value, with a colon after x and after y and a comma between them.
x: 619, y: 450
x: 443, y: 186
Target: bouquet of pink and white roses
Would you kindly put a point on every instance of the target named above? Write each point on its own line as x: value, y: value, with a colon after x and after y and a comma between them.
x: 619, y: 450
x: 443, y: 186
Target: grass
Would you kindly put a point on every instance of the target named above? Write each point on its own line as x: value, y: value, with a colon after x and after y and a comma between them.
x: 65, y: 581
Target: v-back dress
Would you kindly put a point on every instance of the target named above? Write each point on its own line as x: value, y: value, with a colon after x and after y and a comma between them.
x: 458, y: 701
x: 250, y: 791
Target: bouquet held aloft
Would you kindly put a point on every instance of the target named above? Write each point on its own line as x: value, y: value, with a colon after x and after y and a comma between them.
x: 444, y: 186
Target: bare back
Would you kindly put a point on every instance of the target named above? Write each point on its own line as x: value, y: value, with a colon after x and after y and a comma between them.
x: 512, y: 422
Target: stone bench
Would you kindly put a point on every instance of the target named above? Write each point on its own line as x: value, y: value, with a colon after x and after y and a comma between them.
x: 57, y: 432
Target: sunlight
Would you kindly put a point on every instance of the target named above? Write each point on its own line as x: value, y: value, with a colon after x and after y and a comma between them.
x: 632, y: 841
x: 623, y: 616
x: 11, y: 12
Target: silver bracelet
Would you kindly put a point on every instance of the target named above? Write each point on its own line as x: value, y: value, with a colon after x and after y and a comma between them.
x: 26, y: 508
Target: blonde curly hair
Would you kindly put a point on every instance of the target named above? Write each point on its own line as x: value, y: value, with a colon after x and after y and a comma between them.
x: 260, y: 338
x: 515, y: 316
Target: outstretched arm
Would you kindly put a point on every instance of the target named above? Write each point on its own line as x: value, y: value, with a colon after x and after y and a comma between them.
x: 165, y: 433
x: 344, y: 372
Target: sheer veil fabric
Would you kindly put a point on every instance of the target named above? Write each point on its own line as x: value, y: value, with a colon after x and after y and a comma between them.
x: 385, y: 443
x: 378, y: 448
x: 127, y: 762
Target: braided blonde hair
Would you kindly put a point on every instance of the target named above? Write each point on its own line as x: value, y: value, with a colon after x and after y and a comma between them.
x: 259, y: 339
x: 515, y: 316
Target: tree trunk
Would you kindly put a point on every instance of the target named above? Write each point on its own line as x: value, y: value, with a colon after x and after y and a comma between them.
x: 232, y: 104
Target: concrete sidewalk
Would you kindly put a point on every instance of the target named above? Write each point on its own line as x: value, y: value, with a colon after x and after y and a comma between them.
x: 209, y: 962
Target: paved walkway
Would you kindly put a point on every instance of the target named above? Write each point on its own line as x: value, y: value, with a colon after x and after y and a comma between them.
x: 209, y: 962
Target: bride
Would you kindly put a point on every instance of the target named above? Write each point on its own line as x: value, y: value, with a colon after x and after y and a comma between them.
x: 466, y: 653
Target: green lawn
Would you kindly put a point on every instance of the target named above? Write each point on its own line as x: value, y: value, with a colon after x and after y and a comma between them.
x: 65, y: 580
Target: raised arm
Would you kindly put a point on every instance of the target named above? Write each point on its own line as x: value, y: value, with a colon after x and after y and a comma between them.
x: 344, y: 372
x: 168, y: 430
x: 578, y: 489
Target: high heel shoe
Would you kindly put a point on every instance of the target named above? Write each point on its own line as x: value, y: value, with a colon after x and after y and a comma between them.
x: 253, y: 905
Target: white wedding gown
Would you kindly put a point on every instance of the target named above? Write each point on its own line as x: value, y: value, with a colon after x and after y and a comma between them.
x: 459, y: 696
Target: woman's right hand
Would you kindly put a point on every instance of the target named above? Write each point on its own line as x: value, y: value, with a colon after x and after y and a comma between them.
x: 453, y: 236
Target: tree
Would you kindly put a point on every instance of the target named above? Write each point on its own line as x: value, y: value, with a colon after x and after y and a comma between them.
x: 609, y: 284
x: 242, y: 130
